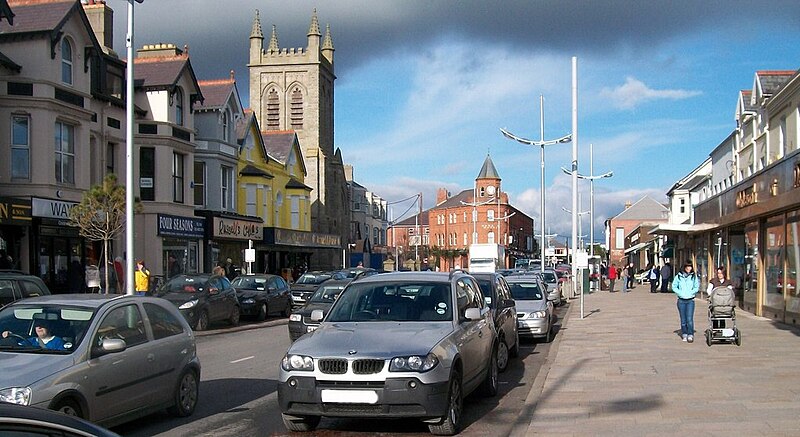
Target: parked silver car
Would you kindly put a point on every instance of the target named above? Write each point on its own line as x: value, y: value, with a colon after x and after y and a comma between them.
x: 534, y: 308
x: 393, y: 345
x: 105, y: 358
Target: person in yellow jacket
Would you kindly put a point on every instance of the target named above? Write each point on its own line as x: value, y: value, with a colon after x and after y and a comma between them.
x: 141, y: 278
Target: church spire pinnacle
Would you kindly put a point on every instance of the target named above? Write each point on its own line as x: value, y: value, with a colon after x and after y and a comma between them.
x: 327, y: 43
x: 256, y: 31
x: 273, y: 41
x: 313, y: 30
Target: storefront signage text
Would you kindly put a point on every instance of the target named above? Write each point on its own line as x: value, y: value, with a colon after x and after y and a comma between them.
x: 296, y: 238
x: 747, y: 197
x: 15, y: 211
x: 238, y: 229
x: 57, y: 209
x: 177, y: 226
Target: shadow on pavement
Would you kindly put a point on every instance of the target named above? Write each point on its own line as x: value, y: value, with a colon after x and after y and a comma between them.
x: 216, y: 396
x: 785, y: 327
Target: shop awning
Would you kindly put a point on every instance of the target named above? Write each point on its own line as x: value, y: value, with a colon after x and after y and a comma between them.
x: 636, y: 247
x: 682, y: 228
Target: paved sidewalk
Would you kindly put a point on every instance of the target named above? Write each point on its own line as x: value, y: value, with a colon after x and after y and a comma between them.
x: 623, y: 370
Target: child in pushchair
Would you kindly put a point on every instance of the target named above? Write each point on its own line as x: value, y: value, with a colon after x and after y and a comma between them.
x: 722, y: 316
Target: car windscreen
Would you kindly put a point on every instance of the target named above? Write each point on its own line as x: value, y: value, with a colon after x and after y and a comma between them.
x: 396, y: 301
x: 525, y: 291
x: 46, y: 328
x: 184, y: 284
x: 326, y: 293
x: 549, y: 277
x: 312, y: 279
x: 250, y: 283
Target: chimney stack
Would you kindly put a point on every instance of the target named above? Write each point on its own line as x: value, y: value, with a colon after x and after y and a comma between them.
x: 101, y: 18
x: 441, y: 196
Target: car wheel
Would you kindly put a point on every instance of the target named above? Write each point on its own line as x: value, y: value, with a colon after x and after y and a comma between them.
x: 69, y: 407
x: 451, y: 422
x: 514, y: 350
x: 300, y: 423
x: 550, y: 334
x: 502, y: 356
x: 235, y: 316
x: 262, y: 312
x: 186, y: 394
x: 202, y: 321
x: 288, y: 310
x: 489, y: 384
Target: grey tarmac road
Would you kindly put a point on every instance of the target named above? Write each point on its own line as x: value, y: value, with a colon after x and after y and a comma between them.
x: 238, y: 394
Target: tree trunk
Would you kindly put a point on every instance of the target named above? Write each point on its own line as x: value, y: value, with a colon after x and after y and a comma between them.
x: 105, y: 265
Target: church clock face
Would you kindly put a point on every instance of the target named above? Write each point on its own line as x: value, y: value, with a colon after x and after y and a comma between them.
x: 490, y: 190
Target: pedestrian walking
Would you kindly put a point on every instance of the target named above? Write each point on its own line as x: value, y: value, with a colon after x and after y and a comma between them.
x: 631, y: 275
x: 141, y: 278
x: 666, y: 277
x: 720, y: 280
x: 624, y: 278
x: 612, y: 277
x: 654, y: 276
x: 686, y: 285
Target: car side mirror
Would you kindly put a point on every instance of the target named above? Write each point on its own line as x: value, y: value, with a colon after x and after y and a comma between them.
x: 111, y: 345
x: 508, y: 303
x: 472, y: 314
x: 317, y: 315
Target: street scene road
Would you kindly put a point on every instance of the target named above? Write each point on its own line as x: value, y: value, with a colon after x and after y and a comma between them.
x: 238, y: 398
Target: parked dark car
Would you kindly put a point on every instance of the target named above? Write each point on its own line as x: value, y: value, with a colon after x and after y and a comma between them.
x: 19, y: 420
x: 306, y: 285
x: 504, y: 311
x: 260, y: 295
x: 202, y: 299
x: 300, y: 320
x: 16, y: 285
x: 357, y: 272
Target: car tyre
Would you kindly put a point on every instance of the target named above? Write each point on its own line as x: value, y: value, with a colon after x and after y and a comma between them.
x: 235, y: 316
x: 186, y: 395
x: 288, y: 310
x: 514, y: 350
x: 262, y: 312
x: 502, y: 356
x: 300, y: 423
x: 202, y: 321
x: 490, y: 382
x: 550, y: 334
x: 69, y: 407
x: 451, y: 422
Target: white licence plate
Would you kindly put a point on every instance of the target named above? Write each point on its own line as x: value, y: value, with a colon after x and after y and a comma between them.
x: 350, y: 396
x: 311, y: 328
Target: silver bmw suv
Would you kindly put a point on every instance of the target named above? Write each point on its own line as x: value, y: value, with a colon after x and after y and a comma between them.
x: 393, y: 345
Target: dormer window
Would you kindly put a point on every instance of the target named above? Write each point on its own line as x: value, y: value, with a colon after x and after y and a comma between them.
x: 225, y: 126
x: 66, y: 61
x: 179, y: 107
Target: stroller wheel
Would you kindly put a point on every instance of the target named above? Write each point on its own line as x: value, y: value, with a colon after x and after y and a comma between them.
x: 708, y: 337
x: 738, y: 335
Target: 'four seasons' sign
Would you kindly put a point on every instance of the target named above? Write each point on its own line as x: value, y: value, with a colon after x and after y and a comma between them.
x: 747, y: 197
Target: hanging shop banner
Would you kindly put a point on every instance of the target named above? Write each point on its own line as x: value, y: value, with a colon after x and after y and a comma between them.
x: 236, y: 229
x: 177, y: 226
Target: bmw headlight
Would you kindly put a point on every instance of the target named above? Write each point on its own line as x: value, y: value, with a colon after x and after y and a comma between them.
x: 538, y: 315
x: 188, y: 305
x: 295, y: 317
x: 413, y: 363
x: 297, y: 362
x: 16, y: 395
x: 249, y: 301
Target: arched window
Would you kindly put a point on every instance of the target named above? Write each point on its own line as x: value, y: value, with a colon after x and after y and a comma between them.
x: 179, y: 107
x: 297, y: 108
x: 273, y: 111
x: 66, y: 61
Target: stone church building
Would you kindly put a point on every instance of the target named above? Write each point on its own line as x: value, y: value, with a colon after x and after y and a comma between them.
x: 292, y: 89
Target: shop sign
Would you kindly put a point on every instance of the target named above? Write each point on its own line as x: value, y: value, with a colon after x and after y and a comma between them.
x: 177, y: 226
x: 48, y: 208
x: 238, y: 229
x: 747, y: 197
x: 15, y: 211
x: 297, y: 238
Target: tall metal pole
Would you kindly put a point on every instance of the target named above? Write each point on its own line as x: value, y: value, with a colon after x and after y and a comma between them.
x: 418, y: 238
x: 541, y: 197
x: 591, y: 201
x: 129, y: 256
x: 575, y: 177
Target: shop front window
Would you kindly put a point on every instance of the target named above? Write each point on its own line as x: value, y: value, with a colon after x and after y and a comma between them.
x: 751, y: 266
x: 701, y: 269
x: 774, y: 242
x: 792, y: 266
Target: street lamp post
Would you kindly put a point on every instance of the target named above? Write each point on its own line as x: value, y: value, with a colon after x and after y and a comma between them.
x: 475, y: 206
x: 129, y: 286
x: 541, y: 143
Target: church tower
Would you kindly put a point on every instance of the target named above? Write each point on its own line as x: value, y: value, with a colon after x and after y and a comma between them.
x: 487, y: 184
x: 291, y: 89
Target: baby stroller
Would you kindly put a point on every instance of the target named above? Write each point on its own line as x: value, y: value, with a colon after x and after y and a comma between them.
x: 722, y: 317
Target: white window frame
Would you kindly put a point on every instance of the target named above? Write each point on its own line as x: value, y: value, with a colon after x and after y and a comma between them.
x: 250, y: 199
x: 178, y: 177
x: 201, y: 185
x: 67, y: 69
x: 65, y: 158
x: 225, y: 187
x: 619, y: 238
x: 295, y: 212
x: 20, y: 148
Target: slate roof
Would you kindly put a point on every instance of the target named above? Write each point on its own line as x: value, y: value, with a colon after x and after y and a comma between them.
x: 645, y: 208
x: 216, y: 93
x: 488, y: 171
x: 243, y: 125
x: 32, y: 16
x: 279, y: 144
x: 294, y: 183
x: 746, y: 100
x: 251, y: 170
x: 159, y: 71
x: 464, y: 196
x: 772, y: 80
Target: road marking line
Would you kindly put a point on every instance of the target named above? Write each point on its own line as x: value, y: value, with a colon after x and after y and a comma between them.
x: 242, y: 359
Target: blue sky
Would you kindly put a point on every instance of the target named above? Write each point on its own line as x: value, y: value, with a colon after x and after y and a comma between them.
x: 423, y: 87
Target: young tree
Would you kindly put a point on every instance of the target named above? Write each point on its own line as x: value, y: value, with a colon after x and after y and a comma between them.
x: 101, y: 215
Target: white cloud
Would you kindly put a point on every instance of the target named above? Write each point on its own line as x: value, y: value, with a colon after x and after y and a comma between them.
x: 635, y: 92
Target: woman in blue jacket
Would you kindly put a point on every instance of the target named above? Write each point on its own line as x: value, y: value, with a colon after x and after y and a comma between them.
x: 686, y: 285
